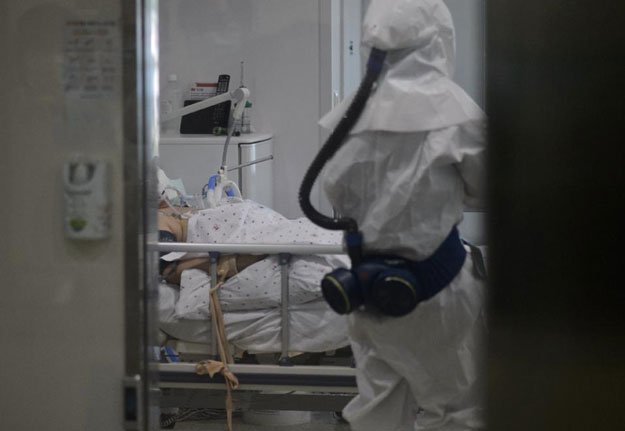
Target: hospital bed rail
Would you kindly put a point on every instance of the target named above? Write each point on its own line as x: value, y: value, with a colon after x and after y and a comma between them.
x: 261, y: 387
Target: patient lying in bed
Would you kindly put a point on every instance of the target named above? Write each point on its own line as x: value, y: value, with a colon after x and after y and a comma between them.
x: 237, y: 222
x: 251, y: 296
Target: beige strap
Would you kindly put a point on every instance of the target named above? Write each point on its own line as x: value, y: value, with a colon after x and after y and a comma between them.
x: 213, y: 367
x: 216, y: 367
x: 184, y: 224
x: 219, y: 325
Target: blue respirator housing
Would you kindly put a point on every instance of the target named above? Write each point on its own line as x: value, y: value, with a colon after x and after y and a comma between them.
x: 392, y: 285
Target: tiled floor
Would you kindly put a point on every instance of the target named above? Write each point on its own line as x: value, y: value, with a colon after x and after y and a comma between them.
x: 319, y: 422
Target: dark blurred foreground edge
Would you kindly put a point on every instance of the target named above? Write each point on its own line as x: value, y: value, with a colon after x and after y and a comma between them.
x: 556, y: 107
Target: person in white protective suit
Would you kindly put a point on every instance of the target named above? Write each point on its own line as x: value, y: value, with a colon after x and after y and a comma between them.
x: 411, y: 163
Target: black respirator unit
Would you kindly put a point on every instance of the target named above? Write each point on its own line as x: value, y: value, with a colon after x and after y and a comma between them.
x: 387, y: 284
x: 391, y: 284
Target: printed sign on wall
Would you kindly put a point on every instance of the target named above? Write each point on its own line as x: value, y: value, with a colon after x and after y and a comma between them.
x: 91, y: 58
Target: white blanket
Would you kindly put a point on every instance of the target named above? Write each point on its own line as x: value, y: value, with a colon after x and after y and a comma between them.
x: 250, y: 222
x: 256, y: 287
x: 314, y: 327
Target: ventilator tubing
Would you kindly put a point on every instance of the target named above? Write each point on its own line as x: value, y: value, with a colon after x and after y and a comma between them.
x: 353, y: 237
x: 334, y: 143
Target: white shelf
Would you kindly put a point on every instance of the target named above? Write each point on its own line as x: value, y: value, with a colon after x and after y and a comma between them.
x: 178, y: 139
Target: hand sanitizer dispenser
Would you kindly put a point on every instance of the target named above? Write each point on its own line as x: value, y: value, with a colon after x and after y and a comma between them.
x: 87, y: 199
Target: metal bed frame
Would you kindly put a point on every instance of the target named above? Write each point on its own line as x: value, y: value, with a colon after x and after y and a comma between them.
x: 280, y: 387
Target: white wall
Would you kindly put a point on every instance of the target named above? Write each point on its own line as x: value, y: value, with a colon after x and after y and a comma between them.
x: 279, y: 42
x: 470, y: 22
x: 61, y: 312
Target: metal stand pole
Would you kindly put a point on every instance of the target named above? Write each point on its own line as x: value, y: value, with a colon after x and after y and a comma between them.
x: 284, y: 277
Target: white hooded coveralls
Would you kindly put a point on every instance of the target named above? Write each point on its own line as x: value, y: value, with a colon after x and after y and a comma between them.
x: 410, y: 165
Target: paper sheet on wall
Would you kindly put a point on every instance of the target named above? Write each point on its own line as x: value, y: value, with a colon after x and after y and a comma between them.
x: 92, y: 56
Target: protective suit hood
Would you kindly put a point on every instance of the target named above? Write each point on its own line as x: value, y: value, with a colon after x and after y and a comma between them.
x: 415, y: 91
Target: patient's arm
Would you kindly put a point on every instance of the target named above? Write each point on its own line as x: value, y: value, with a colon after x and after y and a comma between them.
x: 174, y: 270
x: 226, y: 267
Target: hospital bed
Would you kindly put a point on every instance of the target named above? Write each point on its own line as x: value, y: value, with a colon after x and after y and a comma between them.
x: 280, y: 386
x: 252, y: 304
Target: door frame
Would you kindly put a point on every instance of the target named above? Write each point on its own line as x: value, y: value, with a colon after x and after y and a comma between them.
x: 140, y: 116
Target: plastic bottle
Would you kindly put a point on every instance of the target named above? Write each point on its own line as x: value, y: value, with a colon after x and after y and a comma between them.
x: 171, y: 100
x: 244, y: 125
x: 246, y: 119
